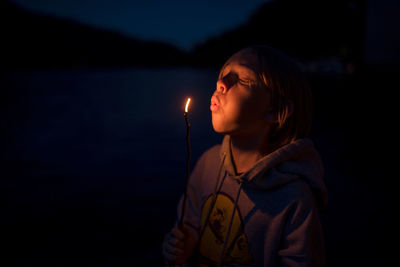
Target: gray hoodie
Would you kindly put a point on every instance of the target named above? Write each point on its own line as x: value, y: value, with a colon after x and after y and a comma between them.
x: 267, y: 216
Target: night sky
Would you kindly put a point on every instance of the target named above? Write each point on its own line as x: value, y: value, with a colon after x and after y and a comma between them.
x: 179, y: 22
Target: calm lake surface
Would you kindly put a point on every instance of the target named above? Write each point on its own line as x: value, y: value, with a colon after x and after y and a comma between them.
x: 101, y: 123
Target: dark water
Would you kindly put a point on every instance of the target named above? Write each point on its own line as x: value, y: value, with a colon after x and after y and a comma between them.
x: 95, y: 121
x: 93, y: 164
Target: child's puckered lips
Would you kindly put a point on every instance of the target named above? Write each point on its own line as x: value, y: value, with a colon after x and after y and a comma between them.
x: 214, y: 103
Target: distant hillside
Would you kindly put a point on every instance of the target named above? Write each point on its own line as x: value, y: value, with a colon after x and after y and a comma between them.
x: 37, y: 41
x: 309, y: 30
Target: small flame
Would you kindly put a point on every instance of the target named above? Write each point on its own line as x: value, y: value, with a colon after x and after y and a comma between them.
x: 187, y: 105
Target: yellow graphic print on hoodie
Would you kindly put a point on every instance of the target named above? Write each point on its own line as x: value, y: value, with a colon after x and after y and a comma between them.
x: 237, y: 249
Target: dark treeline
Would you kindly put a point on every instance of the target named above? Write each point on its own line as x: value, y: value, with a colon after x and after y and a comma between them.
x: 38, y: 41
x: 308, y: 30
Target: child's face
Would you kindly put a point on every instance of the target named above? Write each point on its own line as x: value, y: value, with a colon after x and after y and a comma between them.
x: 239, y: 106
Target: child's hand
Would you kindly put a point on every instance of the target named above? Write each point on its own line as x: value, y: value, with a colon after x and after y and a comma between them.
x: 178, y: 246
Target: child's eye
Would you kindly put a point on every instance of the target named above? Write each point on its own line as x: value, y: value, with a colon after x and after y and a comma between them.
x: 244, y: 82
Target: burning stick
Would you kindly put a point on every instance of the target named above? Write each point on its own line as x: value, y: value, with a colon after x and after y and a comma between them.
x: 185, y: 114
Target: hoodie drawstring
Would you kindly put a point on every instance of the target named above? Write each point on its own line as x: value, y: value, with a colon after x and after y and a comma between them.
x: 221, y: 256
x: 214, y: 199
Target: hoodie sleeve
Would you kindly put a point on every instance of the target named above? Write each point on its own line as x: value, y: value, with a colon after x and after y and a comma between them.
x: 302, y: 242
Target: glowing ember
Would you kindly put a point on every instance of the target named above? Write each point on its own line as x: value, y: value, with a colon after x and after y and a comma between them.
x: 187, y: 105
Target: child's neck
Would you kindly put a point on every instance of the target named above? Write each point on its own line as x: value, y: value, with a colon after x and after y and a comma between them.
x: 247, y: 150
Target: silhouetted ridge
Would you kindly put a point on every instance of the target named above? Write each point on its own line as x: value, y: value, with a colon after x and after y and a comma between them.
x: 308, y: 30
x: 33, y: 40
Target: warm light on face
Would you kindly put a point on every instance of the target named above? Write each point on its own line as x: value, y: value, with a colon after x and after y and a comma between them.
x: 187, y: 105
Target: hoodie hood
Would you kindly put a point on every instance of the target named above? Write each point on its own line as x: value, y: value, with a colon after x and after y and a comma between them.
x: 297, y: 160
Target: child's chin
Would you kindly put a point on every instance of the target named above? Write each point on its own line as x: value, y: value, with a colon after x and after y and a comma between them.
x: 220, y: 126
x: 220, y: 130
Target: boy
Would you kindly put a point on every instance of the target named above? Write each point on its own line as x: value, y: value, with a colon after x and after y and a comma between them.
x: 253, y: 201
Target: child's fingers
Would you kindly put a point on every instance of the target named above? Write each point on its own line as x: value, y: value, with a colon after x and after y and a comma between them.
x: 168, y: 256
x: 173, y: 241
x: 174, y: 246
x: 176, y: 243
x: 176, y: 232
x: 172, y: 253
x: 173, y: 250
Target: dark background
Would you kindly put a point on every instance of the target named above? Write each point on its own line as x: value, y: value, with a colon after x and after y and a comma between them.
x: 102, y: 189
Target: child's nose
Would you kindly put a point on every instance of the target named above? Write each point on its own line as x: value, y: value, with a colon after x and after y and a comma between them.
x: 221, y: 87
x: 224, y: 84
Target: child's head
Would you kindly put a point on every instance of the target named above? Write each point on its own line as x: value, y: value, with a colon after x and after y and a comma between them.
x: 258, y: 88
